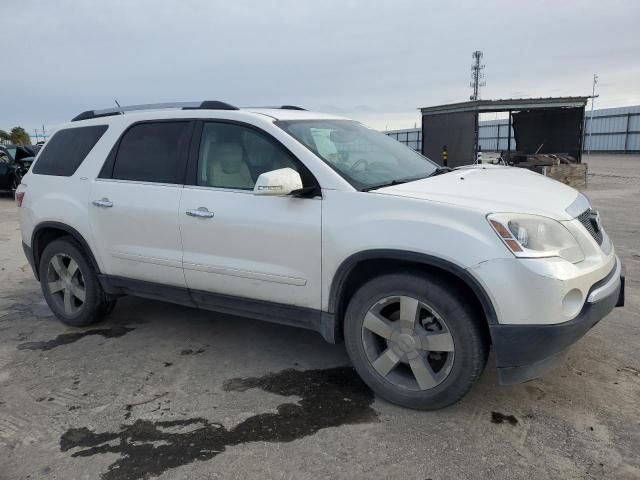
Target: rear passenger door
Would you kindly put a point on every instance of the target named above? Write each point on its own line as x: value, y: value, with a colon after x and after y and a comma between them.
x: 134, y: 203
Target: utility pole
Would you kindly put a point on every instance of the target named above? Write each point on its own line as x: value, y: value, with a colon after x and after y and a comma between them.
x: 476, y: 75
x: 593, y: 99
x: 40, y: 134
x: 476, y: 83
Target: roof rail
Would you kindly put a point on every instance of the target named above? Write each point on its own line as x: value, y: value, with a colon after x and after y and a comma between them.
x: 281, y: 107
x: 107, y: 112
x: 211, y: 105
x: 292, y: 107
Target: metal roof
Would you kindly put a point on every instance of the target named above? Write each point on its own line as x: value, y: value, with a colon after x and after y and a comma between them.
x: 506, y: 104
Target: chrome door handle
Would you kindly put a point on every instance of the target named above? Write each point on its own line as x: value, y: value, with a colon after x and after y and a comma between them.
x: 104, y: 203
x: 200, y: 212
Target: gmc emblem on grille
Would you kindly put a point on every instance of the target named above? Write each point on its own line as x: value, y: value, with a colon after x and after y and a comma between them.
x: 594, y: 218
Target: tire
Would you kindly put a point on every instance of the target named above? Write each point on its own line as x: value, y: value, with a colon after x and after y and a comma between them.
x: 414, y: 340
x: 70, y: 284
x: 14, y: 183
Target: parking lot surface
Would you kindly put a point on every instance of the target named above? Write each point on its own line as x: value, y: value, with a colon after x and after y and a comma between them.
x: 160, y: 390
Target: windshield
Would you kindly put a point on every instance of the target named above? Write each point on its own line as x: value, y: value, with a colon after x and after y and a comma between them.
x: 365, y: 157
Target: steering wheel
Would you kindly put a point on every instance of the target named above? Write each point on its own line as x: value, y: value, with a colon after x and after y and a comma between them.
x: 357, y: 163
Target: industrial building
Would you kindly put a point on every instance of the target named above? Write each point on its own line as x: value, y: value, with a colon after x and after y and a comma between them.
x: 613, y: 130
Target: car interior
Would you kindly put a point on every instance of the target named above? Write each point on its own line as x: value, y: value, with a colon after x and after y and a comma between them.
x: 233, y: 156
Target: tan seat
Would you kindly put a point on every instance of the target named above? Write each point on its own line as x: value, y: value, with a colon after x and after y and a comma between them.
x: 226, y: 167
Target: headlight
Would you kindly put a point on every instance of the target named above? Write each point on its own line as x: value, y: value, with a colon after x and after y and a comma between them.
x: 532, y: 236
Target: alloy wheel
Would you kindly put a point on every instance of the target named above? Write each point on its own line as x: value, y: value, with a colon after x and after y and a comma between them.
x: 408, y: 343
x: 66, y: 283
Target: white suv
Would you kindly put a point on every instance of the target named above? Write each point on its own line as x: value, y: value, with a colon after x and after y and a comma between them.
x: 317, y: 221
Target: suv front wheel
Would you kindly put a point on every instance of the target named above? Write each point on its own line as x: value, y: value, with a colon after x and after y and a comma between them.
x: 70, y: 285
x: 414, y: 340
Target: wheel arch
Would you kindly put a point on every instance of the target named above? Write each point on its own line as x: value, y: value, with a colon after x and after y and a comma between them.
x: 357, y: 268
x: 46, y: 232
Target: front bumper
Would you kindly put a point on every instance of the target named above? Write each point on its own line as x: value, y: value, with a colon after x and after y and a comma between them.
x: 525, y: 352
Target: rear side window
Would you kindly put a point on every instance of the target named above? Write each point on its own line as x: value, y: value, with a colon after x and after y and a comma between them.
x: 67, y: 149
x: 153, y: 152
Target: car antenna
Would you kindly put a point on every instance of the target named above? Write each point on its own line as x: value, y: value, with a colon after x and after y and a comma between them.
x: 121, y: 113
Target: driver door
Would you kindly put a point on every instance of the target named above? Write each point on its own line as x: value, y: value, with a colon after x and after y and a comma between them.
x: 244, y: 245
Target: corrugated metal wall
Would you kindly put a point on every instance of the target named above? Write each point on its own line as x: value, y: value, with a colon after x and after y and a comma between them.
x: 411, y: 137
x: 454, y: 131
x: 492, y: 136
x: 614, y: 130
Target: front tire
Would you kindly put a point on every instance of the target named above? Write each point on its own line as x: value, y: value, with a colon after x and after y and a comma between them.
x: 70, y: 284
x: 414, y: 340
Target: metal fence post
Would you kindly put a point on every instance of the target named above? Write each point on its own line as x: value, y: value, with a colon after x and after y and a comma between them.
x: 626, y: 134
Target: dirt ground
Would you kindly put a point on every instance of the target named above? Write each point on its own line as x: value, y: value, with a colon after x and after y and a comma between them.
x: 165, y: 391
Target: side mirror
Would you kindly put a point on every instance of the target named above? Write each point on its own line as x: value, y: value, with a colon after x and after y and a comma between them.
x: 278, y: 182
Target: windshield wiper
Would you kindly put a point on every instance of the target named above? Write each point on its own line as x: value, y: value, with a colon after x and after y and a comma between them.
x: 395, y: 182
x: 437, y: 171
x: 382, y: 185
x: 440, y: 171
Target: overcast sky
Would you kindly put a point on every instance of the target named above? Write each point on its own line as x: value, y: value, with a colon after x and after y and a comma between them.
x: 376, y: 61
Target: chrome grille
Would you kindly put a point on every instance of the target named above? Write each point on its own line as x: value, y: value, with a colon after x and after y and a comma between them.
x: 589, y: 219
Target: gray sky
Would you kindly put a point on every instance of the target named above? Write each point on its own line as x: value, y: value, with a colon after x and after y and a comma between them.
x: 376, y: 61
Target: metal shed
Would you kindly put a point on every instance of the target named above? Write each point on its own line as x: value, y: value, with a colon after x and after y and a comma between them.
x: 541, y: 125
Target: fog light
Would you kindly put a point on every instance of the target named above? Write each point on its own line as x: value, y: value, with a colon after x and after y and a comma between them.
x: 572, y: 302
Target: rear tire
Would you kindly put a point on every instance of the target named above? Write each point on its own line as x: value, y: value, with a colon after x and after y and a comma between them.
x: 70, y: 284
x: 414, y: 340
x: 14, y: 183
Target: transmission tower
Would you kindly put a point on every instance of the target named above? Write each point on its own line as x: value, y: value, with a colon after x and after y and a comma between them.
x: 476, y: 75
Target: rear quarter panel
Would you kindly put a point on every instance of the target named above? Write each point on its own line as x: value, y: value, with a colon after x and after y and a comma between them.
x: 51, y: 198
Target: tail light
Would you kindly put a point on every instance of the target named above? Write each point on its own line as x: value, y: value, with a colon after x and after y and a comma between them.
x: 19, y: 198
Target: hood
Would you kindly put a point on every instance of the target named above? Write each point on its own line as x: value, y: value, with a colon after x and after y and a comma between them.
x: 493, y: 188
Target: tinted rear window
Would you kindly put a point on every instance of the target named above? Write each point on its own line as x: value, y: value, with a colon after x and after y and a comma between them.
x: 67, y: 149
x: 153, y: 152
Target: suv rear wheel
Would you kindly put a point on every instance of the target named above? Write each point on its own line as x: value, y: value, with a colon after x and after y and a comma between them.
x: 70, y: 285
x: 414, y: 340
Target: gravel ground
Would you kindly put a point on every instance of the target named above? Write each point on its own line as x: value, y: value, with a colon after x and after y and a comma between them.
x: 165, y: 391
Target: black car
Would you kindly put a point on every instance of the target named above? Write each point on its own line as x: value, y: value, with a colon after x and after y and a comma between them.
x: 15, y: 161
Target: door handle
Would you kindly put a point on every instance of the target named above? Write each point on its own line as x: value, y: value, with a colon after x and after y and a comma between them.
x: 104, y: 203
x: 200, y: 212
